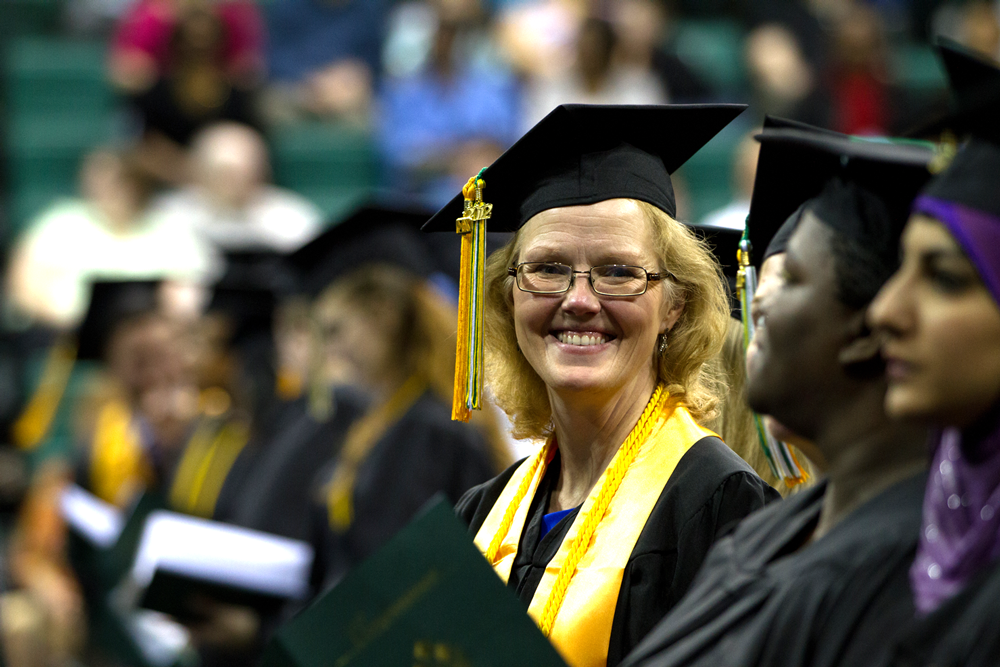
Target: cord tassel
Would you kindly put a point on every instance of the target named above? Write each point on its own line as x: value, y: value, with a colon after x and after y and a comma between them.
x: 469, y: 360
x: 780, y: 456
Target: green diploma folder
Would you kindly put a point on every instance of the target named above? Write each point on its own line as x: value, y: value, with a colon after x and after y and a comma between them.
x: 428, y: 598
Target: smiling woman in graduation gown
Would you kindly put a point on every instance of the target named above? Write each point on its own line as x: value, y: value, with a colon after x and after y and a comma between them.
x: 602, y: 529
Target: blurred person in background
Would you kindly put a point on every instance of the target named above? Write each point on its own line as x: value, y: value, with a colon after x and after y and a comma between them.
x: 783, y: 82
x: 595, y: 78
x: 387, y: 332
x: 230, y: 203
x: 453, y: 116
x: 323, y: 57
x: 981, y: 28
x: 744, y: 169
x: 640, y: 27
x: 862, y: 98
x: 383, y: 361
x: 106, y: 233
x: 183, y: 64
x: 130, y: 428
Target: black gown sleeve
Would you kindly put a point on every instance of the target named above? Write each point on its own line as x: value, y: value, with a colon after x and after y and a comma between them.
x: 474, y: 506
x: 709, y: 492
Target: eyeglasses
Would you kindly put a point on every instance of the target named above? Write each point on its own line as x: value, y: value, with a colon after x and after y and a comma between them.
x: 607, y: 280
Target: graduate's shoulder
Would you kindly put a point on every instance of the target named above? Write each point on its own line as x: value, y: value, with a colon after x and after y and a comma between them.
x: 711, y: 472
x: 475, y: 505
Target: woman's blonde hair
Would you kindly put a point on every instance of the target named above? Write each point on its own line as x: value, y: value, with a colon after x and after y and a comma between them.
x: 695, y: 339
x: 735, y: 420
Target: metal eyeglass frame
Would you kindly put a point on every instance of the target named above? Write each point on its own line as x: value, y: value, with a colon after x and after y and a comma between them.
x: 650, y: 277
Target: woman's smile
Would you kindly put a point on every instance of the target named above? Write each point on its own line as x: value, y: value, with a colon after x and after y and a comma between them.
x: 580, y: 340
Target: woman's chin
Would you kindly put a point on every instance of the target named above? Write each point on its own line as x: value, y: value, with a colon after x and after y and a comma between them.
x: 907, y: 403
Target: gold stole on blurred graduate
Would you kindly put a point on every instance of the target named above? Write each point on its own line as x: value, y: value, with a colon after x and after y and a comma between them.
x: 209, y: 455
x: 361, y: 438
x: 118, y: 465
x: 35, y: 422
x: 581, y: 630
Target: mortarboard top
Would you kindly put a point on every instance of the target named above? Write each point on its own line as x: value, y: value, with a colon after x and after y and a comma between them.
x: 783, y: 182
x: 821, y: 167
x: 970, y: 179
x: 113, y: 302
x: 250, y: 289
x: 724, y: 242
x: 974, y: 84
x: 583, y: 154
x: 377, y: 232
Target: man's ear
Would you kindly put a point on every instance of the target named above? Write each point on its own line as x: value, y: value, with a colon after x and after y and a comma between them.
x: 863, y: 344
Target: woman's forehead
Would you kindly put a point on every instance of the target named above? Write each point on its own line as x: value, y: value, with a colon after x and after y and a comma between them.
x: 616, y: 224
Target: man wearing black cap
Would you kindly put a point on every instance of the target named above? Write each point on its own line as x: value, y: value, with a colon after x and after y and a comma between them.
x: 799, y: 582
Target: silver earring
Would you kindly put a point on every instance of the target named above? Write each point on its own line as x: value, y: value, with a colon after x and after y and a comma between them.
x: 663, y: 344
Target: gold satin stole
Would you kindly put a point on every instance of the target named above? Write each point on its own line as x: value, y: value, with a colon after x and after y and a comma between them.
x: 582, y: 630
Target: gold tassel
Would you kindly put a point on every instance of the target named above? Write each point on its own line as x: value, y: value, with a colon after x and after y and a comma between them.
x: 469, y: 363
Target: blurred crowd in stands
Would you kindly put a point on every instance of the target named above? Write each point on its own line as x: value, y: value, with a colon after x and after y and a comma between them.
x: 206, y: 90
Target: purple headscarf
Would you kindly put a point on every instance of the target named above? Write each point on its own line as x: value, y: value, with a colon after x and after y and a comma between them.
x: 961, y: 528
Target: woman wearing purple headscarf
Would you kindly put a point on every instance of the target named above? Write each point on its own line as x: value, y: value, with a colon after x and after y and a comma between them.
x: 941, y: 312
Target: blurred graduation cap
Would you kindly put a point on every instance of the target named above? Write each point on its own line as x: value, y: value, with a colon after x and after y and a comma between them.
x: 798, y: 163
x: 113, y: 302
x: 582, y: 154
x: 970, y: 174
x: 377, y: 232
x: 974, y: 84
x: 250, y: 289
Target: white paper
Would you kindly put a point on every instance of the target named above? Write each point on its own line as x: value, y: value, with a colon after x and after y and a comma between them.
x: 220, y: 553
x: 99, y: 522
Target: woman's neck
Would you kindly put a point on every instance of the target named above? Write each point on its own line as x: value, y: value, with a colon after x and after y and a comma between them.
x: 589, y: 433
x: 866, y: 454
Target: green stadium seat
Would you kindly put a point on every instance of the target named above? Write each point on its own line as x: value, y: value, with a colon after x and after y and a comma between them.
x: 48, y: 75
x: 335, y: 203
x: 315, y: 156
x: 713, y: 49
x: 26, y: 17
x: 46, y: 150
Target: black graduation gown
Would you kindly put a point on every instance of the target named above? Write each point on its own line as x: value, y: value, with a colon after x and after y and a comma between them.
x: 422, y: 454
x: 268, y: 487
x: 710, y: 489
x: 767, y: 597
x: 963, y: 632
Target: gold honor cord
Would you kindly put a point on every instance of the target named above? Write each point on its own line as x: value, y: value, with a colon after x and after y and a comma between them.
x: 578, y: 549
x: 469, y: 363
x: 780, y: 456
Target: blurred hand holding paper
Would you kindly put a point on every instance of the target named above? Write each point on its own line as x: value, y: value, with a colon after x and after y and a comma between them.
x: 427, y: 598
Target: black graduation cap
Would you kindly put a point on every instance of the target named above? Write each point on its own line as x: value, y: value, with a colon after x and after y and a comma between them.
x: 251, y: 287
x: 970, y: 179
x: 782, y: 184
x: 724, y: 242
x: 828, y: 170
x: 583, y: 154
x: 974, y: 84
x: 377, y: 232
x: 113, y: 302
